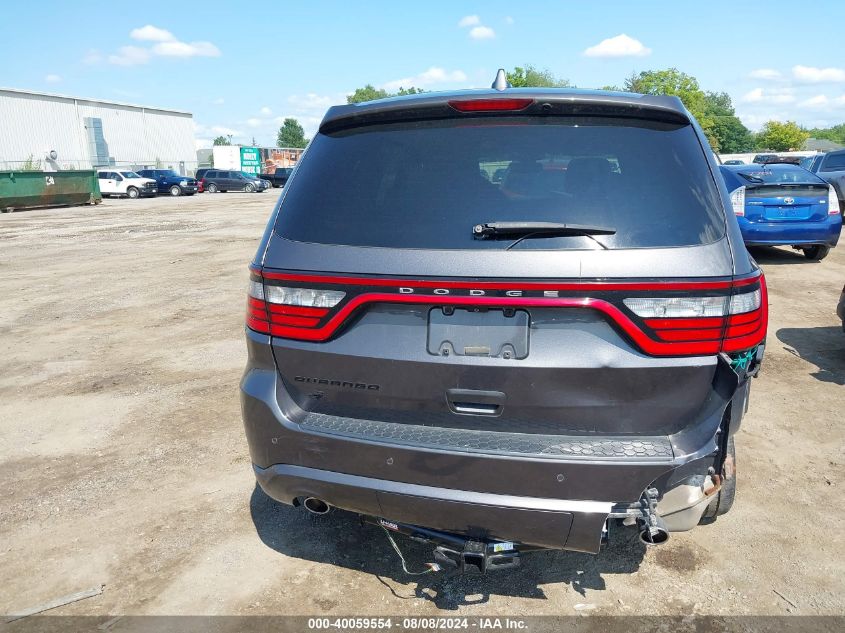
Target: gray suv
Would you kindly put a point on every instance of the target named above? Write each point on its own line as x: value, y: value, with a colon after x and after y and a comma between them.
x: 500, y: 320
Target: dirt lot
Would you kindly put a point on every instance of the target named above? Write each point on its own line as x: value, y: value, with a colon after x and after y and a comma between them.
x: 123, y: 462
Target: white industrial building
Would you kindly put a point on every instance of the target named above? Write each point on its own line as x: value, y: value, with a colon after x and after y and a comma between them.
x: 52, y: 132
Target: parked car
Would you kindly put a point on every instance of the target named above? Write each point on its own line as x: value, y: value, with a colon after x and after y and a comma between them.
x: 168, y: 181
x: 781, y: 204
x: 840, y: 309
x: 426, y: 350
x: 215, y: 180
x: 762, y: 159
x: 125, y: 183
x: 830, y: 167
x: 734, y: 161
x: 279, y: 177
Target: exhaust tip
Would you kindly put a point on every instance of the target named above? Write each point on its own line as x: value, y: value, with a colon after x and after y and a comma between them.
x: 656, y: 536
x: 316, y: 506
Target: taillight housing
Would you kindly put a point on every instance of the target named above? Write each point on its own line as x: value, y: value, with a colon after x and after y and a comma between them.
x: 738, y: 200
x: 707, y: 324
x: 276, y: 309
x: 832, y: 201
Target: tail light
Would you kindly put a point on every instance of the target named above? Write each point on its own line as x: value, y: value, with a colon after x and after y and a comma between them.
x: 707, y: 324
x: 832, y: 201
x: 738, y: 200
x: 275, y: 309
x: 670, y: 318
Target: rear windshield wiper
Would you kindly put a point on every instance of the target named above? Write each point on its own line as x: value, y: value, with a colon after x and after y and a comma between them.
x: 528, y: 230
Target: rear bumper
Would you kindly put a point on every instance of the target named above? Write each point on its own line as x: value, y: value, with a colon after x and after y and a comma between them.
x: 485, y: 516
x: 783, y: 234
x: 537, y: 490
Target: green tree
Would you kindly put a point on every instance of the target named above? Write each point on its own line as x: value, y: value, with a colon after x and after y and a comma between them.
x: 531, y: 77
x: 291, y: 134
x: 732, y: 137
x: 409, y: 91
x: 705, y: 107
x: 835, y: 133
x: 367, y: 93
x: 782, y: 137
x: 370, y: 93
x: 729, y: 135
x: 222, y: 140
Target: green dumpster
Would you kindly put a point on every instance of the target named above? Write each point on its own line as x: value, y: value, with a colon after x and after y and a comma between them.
x: 28, y: 189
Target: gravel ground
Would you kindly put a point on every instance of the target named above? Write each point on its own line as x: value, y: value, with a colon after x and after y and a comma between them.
x: 123, y: 461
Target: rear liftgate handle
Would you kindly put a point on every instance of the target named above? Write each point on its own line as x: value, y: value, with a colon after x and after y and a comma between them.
x: 475, y: 402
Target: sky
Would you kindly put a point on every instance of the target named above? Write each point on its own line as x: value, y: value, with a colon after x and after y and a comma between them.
x: 241, y: 68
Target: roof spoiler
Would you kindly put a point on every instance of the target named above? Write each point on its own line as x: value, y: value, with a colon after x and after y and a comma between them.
x: 542, y: 103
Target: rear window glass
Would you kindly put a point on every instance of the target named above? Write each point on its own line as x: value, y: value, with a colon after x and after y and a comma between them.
x: 834, y: 162
x: 425, y: 184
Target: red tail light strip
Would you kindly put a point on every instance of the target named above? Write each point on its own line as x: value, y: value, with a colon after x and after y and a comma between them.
x: 676, y: 337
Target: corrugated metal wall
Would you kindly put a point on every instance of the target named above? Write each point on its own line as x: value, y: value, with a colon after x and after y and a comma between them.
x: 33, y: 124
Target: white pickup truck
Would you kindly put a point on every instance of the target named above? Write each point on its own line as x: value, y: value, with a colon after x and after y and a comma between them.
x: 126, y: 183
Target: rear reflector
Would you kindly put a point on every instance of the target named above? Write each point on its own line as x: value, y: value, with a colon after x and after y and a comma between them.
x: 491, y: 105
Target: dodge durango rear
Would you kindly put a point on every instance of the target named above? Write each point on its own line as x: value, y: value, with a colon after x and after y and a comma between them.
x: 501, y: 320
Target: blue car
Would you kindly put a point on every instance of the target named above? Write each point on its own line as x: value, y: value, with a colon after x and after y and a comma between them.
x: 781, y: 204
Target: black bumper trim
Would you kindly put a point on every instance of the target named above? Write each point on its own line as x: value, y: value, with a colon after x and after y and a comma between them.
x: 652, y: 449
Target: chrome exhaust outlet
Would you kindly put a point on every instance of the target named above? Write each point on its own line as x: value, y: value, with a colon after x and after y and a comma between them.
x: 653, y: 530
x: 316, y: 506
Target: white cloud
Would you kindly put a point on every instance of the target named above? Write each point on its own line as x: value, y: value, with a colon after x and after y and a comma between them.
x: 810, y: 74
x: 508, y: 19
x: 93, y: 56
x: 225, y: 131
x: 619, y: 46
x: 253, y: 122
x: 758, y: 95
x: 52, y: 79
x: 765, y: 73
x: 219, y: 101
x: 482, y: 33
x: 266, y: 111
x: 312, y: 102
x: 433, y: 75
x: 819, y: 101
x: 469, y: 20
x: 202, y: 143
x: 186, y: 49
x: 150, y: 33
x: 165, y: 44
x: 130, y: 56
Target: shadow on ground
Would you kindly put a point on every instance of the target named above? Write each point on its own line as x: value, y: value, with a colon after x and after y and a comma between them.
x: 340, y: 539
x: 824, y: 347
x: 778, y: 255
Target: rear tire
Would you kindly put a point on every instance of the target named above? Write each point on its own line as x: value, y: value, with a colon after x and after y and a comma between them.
x: 249, y: 188
x: 132, y: 192
x: 724, y: 499
x: 816, y: 253
x: 176, y: 190
x: 212, y: 188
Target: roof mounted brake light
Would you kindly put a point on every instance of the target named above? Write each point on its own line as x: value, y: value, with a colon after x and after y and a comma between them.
x: 490, y: 105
